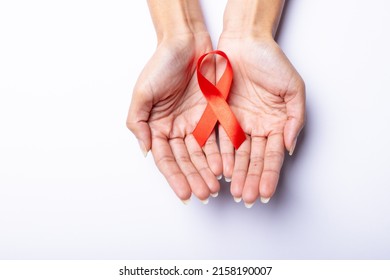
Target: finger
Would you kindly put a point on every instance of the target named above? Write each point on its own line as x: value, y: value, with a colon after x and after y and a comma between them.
x: 295, y: 118
x: 251, y: 188
x: 227, y: 153
x: 273, y: 161
x: 213, y: 155
x: 167, y: 165
x: 240, y: 169
x: 137, y: 119
x: 198, y: 159
x: 197, y: 184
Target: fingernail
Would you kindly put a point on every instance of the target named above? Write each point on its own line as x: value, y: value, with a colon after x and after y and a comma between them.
x: 293, y: 147
x: 219, y: 177
x: 237, y: 199
x: 264, y: 199
x: 228, y: 179
x: 205, y: 201
x: 143, y: 148
x: 186, y: 201
x: 249, y: 205
x: 214, y: 194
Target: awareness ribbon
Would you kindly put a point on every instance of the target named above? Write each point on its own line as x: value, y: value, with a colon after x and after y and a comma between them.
x: 217, y: 108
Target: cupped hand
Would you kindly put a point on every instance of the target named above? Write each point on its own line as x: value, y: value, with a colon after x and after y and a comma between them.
x: 268, y: 99
x: 165, y: 108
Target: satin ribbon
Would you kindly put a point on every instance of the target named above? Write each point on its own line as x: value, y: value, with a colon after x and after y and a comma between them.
x: 217, y: 108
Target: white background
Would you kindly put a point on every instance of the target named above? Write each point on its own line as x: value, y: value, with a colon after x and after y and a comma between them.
x: 74, y: 185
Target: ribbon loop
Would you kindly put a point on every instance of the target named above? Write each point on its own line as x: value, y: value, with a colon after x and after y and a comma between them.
x: 217, y: 108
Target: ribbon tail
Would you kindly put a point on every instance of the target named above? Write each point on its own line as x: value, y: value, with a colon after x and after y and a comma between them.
x: 205, y: 126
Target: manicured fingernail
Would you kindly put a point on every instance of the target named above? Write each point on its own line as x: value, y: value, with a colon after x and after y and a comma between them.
x: 264, y: 199
x: 214, y: 194
x: 249, y: 205
x: 143, y: 148
x: 293, y: 147
x: 186, y: 201
x: 228, y: 179
x: 205, y: 201
x: 237, y: 199
x: 219, y: 177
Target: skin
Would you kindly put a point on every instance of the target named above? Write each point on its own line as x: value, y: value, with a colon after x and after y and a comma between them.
x: 167, y: 102
x: 267, y: 96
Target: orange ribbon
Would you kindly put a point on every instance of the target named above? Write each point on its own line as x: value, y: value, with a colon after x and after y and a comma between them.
x: 217, y: 108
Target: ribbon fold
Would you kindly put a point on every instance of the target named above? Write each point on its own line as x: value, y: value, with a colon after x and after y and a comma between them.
x: 217, y: 108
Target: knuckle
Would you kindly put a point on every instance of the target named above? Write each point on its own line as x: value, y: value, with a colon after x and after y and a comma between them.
x: 213, y: 154
x: 165, y: 160
x: 256, y: 159
x: 241, y: 171
x: 197, y: 154
x: 183, y: 159
x: 227, y: 154
x: 242, y: 154
x: 210, y: 142
x: 274, y: 155
x: 252, y: 174
x: 270, y: 171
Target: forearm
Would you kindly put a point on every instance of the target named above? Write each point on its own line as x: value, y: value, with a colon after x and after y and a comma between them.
x: 176, y: 17
x: 252, y: 17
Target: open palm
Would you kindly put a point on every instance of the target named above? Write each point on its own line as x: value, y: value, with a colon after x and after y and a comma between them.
x: 268, y: 99
x: 165, y: 109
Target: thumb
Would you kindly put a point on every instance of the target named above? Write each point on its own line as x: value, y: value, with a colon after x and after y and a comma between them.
x: 137, y: 119
x: 295, y: 119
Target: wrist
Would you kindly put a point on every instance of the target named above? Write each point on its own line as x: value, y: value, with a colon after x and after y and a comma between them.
x: 252, y: 18
x: 177, y: 18
x: 188, y: 42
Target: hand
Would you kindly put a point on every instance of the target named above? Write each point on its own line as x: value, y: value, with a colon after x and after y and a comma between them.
x: 268, y: 98
x: 165, y: 108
